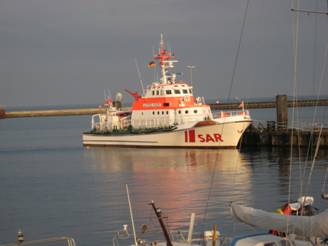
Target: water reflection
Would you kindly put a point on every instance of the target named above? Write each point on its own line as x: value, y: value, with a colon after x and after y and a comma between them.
x: 181, y: 181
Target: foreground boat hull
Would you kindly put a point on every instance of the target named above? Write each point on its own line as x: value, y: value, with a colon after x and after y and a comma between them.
x: 224, y: 135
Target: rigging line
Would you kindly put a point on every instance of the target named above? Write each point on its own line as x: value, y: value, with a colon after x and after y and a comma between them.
x: 324, y: 181
x: 238, y: 49
x: 210, y: 191
x: 235, y: 176
x: 296, y: 33
x: 314, y: 158
x: 139, y: 75
x: 314, y: 65
x: 228, y: 97
x: 315, y: 46
x: 322, y: 76
x: 237, y: 54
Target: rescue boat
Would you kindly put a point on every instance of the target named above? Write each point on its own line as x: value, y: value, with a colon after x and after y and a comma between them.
x: 167, y: 114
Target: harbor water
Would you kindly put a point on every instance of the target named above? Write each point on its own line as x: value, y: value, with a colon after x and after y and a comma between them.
x: 50, y: 185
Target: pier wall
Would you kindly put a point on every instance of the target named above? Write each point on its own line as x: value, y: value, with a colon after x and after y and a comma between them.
x: 255, y: 137
x: 53, y: 112
x: 269, y: 104
x: 281, y: 104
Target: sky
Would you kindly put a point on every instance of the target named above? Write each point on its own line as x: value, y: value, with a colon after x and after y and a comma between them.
x: 68, y: 52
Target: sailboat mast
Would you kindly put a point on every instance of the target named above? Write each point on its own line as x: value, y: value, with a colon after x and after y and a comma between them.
x: 158, y: 213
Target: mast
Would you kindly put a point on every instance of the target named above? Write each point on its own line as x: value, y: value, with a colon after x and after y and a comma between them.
x: 165, y: 60
x: 158, y: 213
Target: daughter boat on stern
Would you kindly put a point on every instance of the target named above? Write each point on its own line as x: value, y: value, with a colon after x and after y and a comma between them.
x: 167, y: 115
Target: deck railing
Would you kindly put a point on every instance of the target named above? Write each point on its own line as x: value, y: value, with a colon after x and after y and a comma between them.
x: 225, y: 114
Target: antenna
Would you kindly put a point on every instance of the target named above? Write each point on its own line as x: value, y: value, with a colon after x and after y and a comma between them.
x: 105, y: 94
x: 161, y: 44
x: 139, y: 75
x: 191, y: 67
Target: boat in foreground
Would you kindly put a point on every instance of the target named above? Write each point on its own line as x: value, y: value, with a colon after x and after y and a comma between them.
x: 167, y: 115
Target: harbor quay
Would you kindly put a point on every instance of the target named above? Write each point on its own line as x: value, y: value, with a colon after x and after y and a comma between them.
x: 271, y: 136
x: 278, y: 134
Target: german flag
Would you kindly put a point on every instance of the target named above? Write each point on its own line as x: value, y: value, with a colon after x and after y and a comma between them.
x: 152, y: 64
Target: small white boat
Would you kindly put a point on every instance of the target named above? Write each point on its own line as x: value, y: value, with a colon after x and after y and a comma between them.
x: 167, y: 115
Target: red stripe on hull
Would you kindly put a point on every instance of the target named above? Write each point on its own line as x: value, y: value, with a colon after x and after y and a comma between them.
x: 191, y: 136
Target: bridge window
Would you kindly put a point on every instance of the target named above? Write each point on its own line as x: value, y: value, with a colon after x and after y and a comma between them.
x: 185, y: 91
x: 177, y: 92
x: 168, y: 92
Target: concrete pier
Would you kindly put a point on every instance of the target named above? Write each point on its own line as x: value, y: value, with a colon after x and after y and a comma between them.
x: 269, y: 104
x: 53, y: 112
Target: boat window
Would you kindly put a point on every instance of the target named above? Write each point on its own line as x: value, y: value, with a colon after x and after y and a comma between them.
x: 157, y: 92
x: 186, y: 111
x: 185, y: 91
x: 167, y: 112
x: 190, y: 91
x: 166, y: 104
x: 162, y: 112
x: 157, y: 112
x: 153, y: 92
x: 153, y: 112
x: 168, y: 92
x: 179, y: 111
x: 195, y: 111
x: 177, y: 92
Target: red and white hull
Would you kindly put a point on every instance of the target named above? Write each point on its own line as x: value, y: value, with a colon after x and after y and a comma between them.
x: 217, y: 135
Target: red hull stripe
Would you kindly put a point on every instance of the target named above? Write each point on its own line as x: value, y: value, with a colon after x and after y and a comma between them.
x: 162, y: 103
x: 191, y: 136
